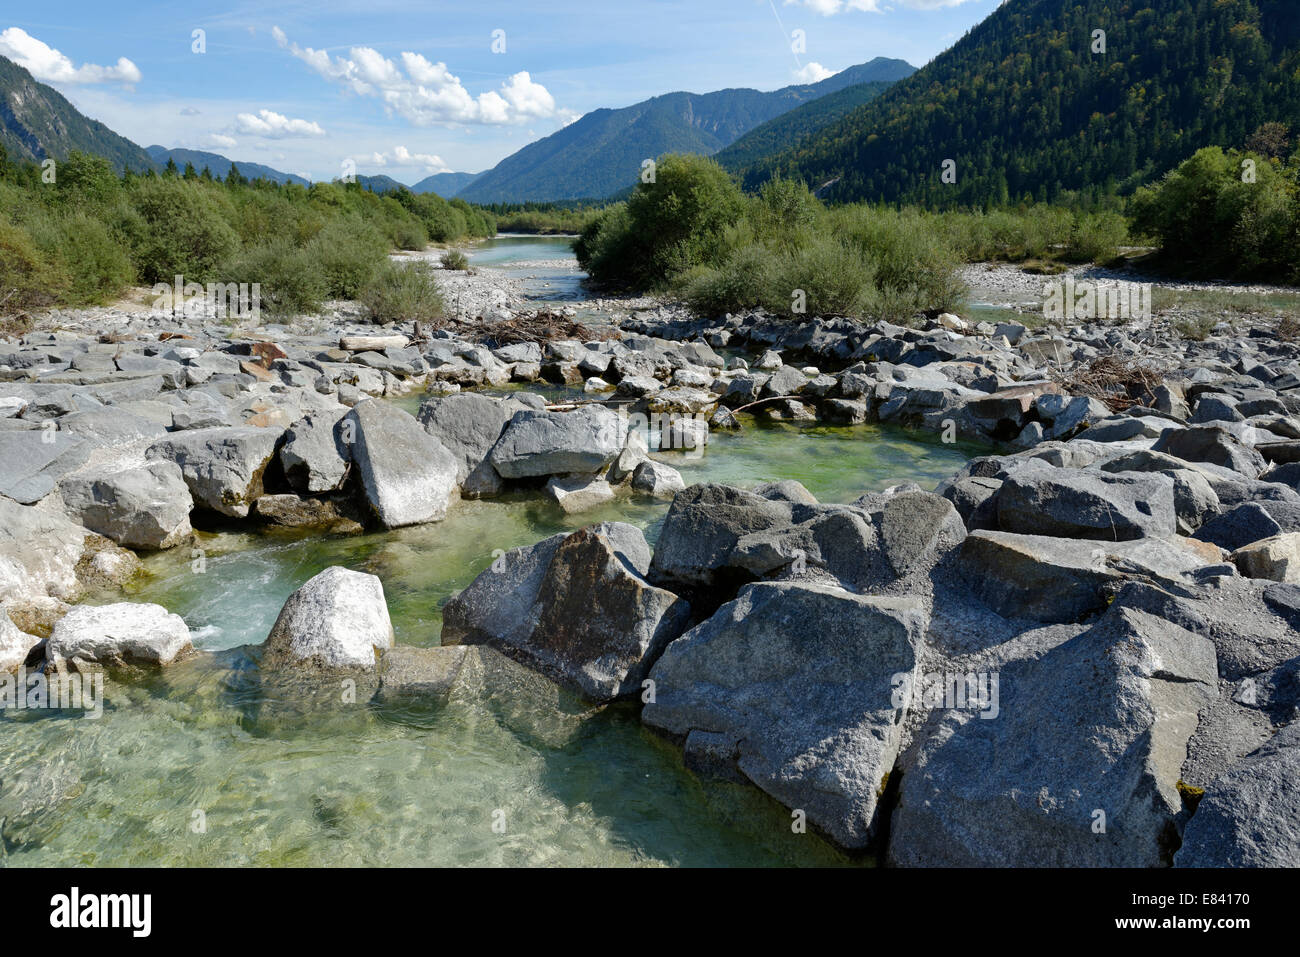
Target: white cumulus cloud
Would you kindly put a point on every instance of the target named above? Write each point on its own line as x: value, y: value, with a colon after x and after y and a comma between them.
x: 401, y: 156
x: 50, y: 66
x: 275, y: 125
x: 424, y: 92
x: 220, y: 141
x: 812, y: 73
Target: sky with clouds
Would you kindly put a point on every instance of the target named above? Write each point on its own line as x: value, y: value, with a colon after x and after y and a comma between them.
x: 408, y: 88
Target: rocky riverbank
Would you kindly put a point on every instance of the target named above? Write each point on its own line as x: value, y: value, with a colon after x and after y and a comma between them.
x: 1080, y: 650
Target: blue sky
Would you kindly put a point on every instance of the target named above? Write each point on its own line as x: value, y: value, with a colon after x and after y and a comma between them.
x: 407, y: 88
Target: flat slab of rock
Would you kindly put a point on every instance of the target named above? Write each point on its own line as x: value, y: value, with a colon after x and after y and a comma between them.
x: 223, y: 467
x: 126, y: 633
x: 579, y: 493
x: 792, y: 685
x: 32, y: 461
x: 576, y: 608
x: 334, y: 622
x: 1063, y: 580
x: 408, y: 475
x: 1079, y: 503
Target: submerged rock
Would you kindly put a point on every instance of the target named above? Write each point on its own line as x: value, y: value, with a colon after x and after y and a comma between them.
x: 334, y: 622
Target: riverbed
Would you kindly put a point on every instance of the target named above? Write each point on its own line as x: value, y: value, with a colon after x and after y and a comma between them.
x: 200, y: 765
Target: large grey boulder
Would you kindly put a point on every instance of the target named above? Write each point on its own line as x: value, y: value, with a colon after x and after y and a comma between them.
x: 316, y: 452
x: 39, y: 554
x: 33, y: 460
x: 576, y: 608
x: 1248, y: 523
x: 468, y: 424
x: 1049, y: 579
x: 408, y: 475
x: 558, y: 443
x: 1214, y: 444
x: 15, y: 645
x: 223, y: 467
x: 791, y: 685
x: 334, y: 622
x: 126, y: 633
x: 1250, y: 815
x: 700, y: 533
x: 1080, y: 503
x: 146, y: 507
x: 1081, y: 765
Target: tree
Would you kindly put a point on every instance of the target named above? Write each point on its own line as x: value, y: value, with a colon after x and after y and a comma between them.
x: 1269, y: 140
x: 190, y: 172
x: 234, y: 177
x: 170, y: 169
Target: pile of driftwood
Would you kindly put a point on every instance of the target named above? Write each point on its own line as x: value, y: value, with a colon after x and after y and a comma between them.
x: 1120, y: 383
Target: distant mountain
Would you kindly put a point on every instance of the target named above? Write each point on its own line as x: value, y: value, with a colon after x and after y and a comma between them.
x: 380, y: 184
x: 602, y: 152
x: 1025, y: 108
x: 446, y: 185
x: 786, y: 130
x: 219, y: 166
x: 37, y: 121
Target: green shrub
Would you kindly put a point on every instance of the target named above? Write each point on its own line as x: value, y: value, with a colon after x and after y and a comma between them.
x: 402, y: 292
x: 96, y: 263
x: 184, y: 230
x: 29, y: 279
x: 347, y: 253
x: 454, y: 259
x: 290, y: 280
x: 1096, y: 237
x: 1208, y: 219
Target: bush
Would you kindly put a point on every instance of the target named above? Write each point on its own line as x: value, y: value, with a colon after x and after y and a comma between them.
x: 184, y: 230
x: 290, y: 280
x: 347, y: 253
x: 95, y: 263
x: 402, y: 292
x: 1096, y: 237
x: 1207, y: 219
x: 667, y: 227
x: 913, y: 265
x: 454, y: 259
x: 28, y: 278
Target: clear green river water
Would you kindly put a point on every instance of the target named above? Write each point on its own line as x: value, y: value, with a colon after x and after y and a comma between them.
x: 196, y: 767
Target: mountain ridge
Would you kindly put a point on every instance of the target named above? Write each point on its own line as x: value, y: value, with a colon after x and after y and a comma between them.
x: 602, y: 152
